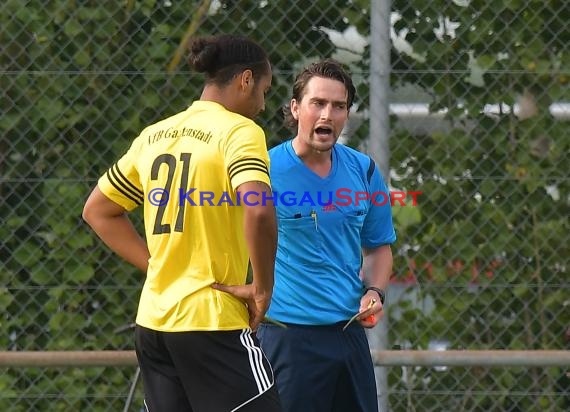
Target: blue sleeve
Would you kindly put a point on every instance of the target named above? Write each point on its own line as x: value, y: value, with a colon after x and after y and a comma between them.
x: 378, y: 228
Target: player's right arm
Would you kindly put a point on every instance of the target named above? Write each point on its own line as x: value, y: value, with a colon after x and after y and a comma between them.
x: 110, y: 222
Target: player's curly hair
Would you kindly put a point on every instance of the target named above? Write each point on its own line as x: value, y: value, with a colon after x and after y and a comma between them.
x: 326, y: 68
x: 224, y: 56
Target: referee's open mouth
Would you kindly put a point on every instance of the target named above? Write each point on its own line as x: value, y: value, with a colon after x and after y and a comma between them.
x: 324, y: 131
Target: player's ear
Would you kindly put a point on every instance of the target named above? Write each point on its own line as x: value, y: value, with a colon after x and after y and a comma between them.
x: 246, y: 79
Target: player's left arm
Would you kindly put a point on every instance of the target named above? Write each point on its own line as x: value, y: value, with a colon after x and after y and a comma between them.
x: 247, y: 163
x: 110, y: 222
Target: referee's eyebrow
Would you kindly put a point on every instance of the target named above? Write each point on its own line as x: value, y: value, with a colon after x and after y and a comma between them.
x: 336, y: 103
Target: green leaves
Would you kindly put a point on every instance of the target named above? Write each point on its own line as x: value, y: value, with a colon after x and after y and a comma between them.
x: 6, y: 298
x: 405, y: 216
x: 72, y: 27
x: 27, y: 253
x: 492, y: 214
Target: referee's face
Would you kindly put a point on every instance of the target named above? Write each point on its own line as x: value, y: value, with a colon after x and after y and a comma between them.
x: 321, y: 113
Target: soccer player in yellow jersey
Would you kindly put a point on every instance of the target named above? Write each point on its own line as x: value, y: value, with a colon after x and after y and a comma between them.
x: 202, y: 179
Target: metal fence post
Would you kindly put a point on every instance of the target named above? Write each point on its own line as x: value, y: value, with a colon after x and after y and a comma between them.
x: 379, y: 148
x: 380, y: 46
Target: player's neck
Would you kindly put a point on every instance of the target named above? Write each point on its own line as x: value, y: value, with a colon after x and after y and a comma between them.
x: 223, y: 96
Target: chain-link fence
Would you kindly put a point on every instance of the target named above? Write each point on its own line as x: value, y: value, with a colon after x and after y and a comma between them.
x: 479, y: 104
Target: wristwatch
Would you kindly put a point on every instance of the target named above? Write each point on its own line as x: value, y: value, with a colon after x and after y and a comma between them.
x: 380, y: 292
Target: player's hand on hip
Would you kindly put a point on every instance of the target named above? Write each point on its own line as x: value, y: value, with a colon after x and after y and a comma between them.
x: 257, y: 302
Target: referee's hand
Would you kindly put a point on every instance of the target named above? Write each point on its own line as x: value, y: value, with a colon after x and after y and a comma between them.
x: 371, y: 308
x: 257, y: 301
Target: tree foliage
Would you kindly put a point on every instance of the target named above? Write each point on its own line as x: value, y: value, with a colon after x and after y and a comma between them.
x: 495, y: 205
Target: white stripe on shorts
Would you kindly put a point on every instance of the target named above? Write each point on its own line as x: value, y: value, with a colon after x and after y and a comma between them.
x: 256, y: 361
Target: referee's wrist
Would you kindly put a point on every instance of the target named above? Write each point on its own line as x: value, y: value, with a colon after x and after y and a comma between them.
x: 381, y: 292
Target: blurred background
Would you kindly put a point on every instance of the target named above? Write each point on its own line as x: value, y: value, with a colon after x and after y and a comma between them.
x: 467, y: 101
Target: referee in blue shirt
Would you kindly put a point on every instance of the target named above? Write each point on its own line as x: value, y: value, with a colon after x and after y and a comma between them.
x: 333, y: 258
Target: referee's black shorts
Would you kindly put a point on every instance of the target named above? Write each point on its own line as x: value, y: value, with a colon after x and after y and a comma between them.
x: 220, y: 371
x: 321, y: 368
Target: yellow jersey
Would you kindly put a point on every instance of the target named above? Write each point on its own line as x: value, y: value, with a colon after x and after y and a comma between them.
x: 184, y: 170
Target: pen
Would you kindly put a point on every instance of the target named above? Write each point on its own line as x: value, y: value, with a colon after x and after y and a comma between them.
x: 314, y: 216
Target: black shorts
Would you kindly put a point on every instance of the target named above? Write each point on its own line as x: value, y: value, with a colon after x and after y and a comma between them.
x: 219, y: 371
x: 321, y: 368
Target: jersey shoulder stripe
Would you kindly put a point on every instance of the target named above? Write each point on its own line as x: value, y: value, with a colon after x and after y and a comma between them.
x: 127, y: 181
x: 370, y: 172
x: 243, y: 165
x: 245, y: 168
x: 122, y: 184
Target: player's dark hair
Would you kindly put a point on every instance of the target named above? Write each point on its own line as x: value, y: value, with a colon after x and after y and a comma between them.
x: 224, y: 56
x: 328, y: 69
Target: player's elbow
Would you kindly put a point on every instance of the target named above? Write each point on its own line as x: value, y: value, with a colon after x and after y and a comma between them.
x: 263, y: 215
x: 89, y: 213
x: 99, y: 208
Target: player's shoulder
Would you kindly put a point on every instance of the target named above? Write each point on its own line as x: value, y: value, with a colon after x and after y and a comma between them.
x: 227, y: 118
x: 240, y: 127
x: 162, y: 124
x: 222, y: 120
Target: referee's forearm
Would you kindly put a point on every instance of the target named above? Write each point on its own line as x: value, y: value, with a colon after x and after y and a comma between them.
x: 377, y: 266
